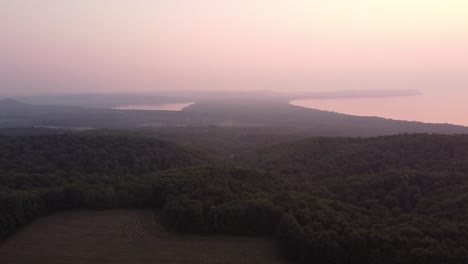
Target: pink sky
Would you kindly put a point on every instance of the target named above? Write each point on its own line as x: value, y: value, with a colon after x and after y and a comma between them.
x: 145, y: 45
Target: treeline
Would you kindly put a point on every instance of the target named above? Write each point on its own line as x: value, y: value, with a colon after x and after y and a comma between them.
x: 19, y: 207
x: 340, y: 157
x: 312, y: 224
x: 43, y: 174
x: 195, y: 199
x: 400, y: 199
x: 58, y: 160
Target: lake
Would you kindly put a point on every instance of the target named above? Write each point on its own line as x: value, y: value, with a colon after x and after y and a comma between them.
x: 163, y: 107
x: 430, y: 107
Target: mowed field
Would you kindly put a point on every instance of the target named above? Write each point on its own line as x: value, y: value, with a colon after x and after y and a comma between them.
x: 126, y: 237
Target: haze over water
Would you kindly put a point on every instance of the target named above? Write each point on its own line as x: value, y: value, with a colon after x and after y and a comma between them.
x: 90, y: 46
x: 123, y: 46
x: 160, y: 107
x: 432, y: 107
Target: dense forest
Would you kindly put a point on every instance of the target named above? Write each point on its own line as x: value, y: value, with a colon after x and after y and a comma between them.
x: 394, y: 199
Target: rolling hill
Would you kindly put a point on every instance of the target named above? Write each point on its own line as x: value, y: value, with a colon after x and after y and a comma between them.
x: 392, y: 199
x: 260, y: 115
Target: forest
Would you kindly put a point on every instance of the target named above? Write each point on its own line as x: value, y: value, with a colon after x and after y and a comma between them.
x: 390, y: 199
x: 263, y: 115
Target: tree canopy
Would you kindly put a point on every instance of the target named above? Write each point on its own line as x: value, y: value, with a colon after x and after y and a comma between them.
x: 395, y: 199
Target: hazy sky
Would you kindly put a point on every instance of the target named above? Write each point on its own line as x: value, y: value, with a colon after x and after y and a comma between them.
x: 317, y: 45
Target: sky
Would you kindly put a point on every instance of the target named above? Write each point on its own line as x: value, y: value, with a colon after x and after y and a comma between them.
x: 56, y: 46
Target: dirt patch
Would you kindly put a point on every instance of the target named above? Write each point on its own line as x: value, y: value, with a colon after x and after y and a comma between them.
x: 126, y: 236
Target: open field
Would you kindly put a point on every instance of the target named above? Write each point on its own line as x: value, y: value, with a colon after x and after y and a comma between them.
x: 125, y: 236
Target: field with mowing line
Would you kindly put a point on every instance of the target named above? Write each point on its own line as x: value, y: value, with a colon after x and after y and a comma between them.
x: 126, y: 237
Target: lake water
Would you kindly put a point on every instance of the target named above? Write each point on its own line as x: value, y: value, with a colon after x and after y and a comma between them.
x: 163, y: 107
x: 431, y: 107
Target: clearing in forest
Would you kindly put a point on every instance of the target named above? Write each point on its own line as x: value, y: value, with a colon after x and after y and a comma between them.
x: 126, y: 237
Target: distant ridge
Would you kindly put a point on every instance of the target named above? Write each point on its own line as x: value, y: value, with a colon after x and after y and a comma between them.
x: 355, y: 94
x: 101, y: 100
x: 277, y: 117
x: 9, y: 101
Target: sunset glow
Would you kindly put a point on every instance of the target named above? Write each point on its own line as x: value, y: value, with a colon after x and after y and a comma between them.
x: 145, y: 45
x: 234, y: 131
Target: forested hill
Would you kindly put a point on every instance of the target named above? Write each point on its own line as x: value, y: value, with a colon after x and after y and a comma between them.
x: 285, y: 117
x: 56, y: 160
x: 48, y: 173
x: 397, y: 199
x: 337, y: 157
x: 386, y: 200
x: 274, y: 116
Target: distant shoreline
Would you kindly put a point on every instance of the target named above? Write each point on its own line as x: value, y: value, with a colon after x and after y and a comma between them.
x: 156, y: 107
x: 355, y: 94
x: 419, y: 108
